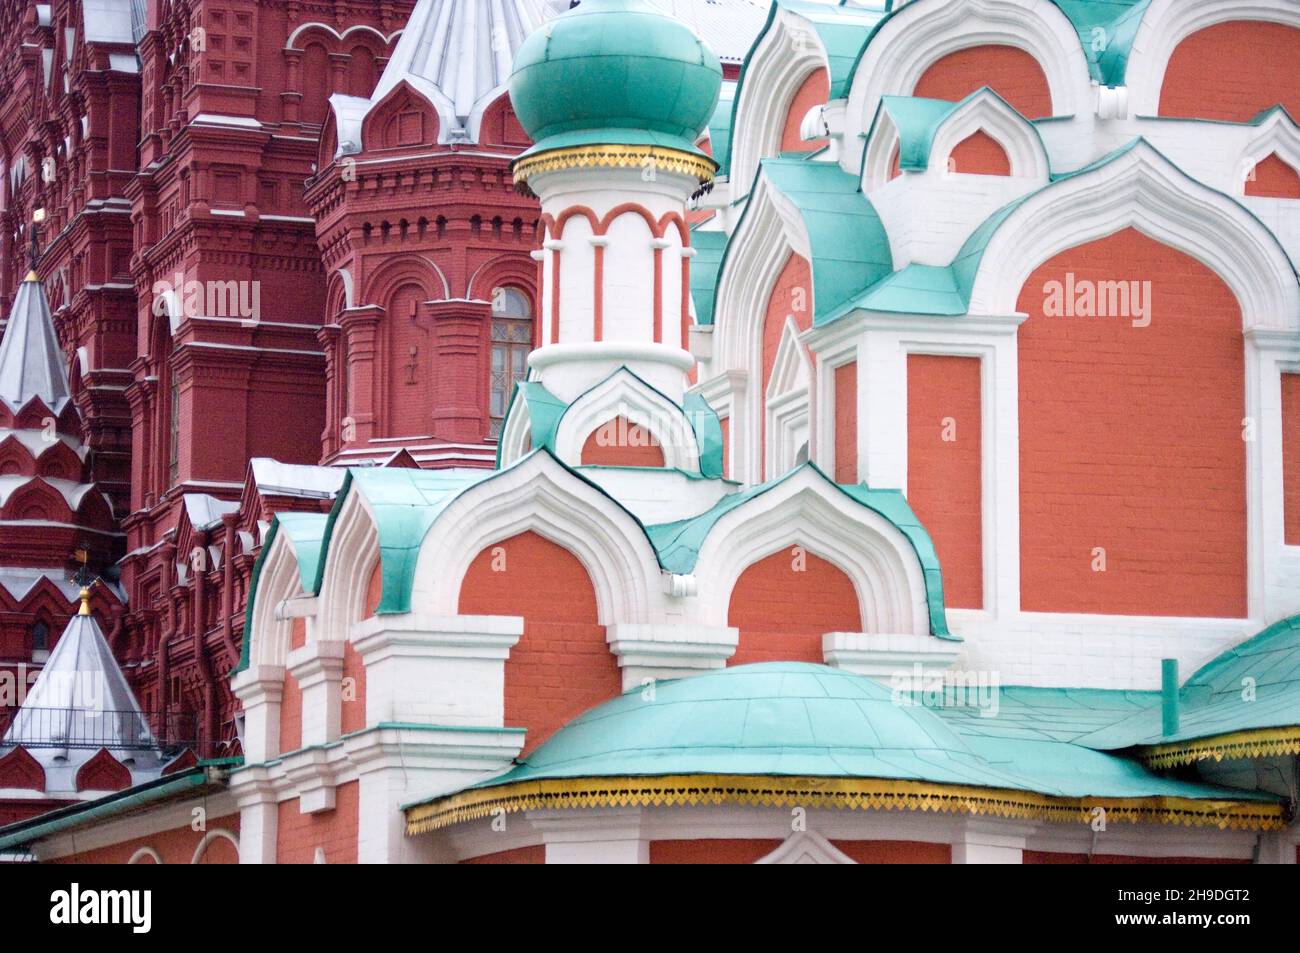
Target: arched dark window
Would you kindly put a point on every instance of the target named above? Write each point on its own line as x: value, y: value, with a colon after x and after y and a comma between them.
x: 512, y: 339
x: 40, y: 637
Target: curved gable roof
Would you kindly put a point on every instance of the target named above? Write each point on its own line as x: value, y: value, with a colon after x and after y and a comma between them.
x: 678, y: 543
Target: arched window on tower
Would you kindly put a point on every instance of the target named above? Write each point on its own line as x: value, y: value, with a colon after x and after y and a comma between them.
x: 512, y: 339
x: 40, y: 641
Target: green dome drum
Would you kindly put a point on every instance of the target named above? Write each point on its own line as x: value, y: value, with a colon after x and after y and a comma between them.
x: 614, y: 72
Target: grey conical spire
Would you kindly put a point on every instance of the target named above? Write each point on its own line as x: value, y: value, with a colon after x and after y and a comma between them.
x: 31, y: 362
x: 80, y: 703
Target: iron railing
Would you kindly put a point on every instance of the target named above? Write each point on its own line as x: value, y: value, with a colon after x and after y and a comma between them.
x: 82, y: 728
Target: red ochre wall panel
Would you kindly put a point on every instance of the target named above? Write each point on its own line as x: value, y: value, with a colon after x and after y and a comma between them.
x: 561, y: 666
x: 176, y: 846
x: 1233, y: 71
x: 298, y: 835
x: 846, y: 423
x: 945, y: 468
x: 291, y: 700
x: 1273, y: 179
x: 621, y: 443
x: 518, y: 855
x: 979, y: 154
x: 374, y: 590
x: 784, y: 603
x: 1291, y: 457
x: 1012, y: 73
x: 1131, y: 441
x: 815, y: 90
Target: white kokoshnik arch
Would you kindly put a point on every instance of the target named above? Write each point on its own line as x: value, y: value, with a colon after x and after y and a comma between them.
x: 1142, y: 189
x: 924, y: 31
x: 807, y: 510
x: 985, y: 111
x: 626, y: 395
x: 789, y: 408
x: 1166, y: 23
x: 541, y: 495
x: 270, y: 631
x: 350, y: 560
x: 787, y: 54
x: 1278, y: 134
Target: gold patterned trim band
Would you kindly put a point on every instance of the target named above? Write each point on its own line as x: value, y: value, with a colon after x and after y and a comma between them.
x: 614, y: 157
x: 1258, y: 743
x: 842, y: 793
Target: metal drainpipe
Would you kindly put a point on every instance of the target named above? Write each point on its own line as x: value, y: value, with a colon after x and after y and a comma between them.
x: 208, y: 736
x: 229, y: 522
x: 1169, y: 713
x: 165, y: 635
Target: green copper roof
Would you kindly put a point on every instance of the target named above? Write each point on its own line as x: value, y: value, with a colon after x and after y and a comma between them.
x: 614, y: 65
x: 1106, y: 31
x: 945, y: 290
x: 306, y: 532
x: 708, y: 434
x: 405, y: 503
x: 797, y: 719
x: 843, y: 32
x: 1254, y: 685
x: 710, y: 247
x: 546, y: 412
x: 916, y: 289
x: 918, y: 120
x: 850, y: 248
x: 1048, y: 714
x: 720, y: 125
x: 678, y: 543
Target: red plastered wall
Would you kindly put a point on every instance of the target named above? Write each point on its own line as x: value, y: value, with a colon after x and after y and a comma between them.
x: 1012, y: 73
x: 561, y: 666
x: 1233, y: 71
x: 298, y: 835
x: 1131, y: 441
x: 944, y: 468
x: 784, y: 603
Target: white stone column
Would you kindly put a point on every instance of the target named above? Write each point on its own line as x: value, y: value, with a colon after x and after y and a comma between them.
x: 609, y: 836
x: 259, y: 817
x: 260, y: 689
x: 986, y: 841
x: 400, y: 764
x: 654, y: 651
x: 436, y: 670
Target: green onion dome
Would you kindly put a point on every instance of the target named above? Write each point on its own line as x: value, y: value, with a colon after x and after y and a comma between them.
x: 614, y: 72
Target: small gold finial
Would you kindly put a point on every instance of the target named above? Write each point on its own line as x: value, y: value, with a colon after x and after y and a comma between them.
x: 32, y: 276
x: 85, y: 601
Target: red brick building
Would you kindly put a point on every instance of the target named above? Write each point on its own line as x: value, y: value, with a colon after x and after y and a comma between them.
x: 278, y: 237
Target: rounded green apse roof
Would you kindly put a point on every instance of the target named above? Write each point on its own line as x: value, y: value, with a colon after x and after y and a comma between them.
x: 614, y: 71
x: 771, y: 718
